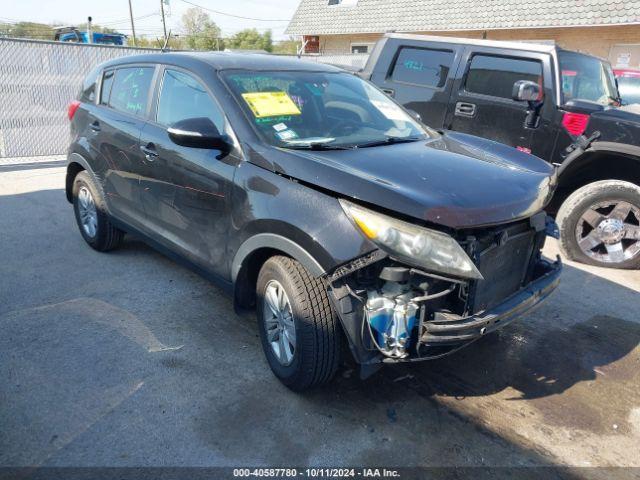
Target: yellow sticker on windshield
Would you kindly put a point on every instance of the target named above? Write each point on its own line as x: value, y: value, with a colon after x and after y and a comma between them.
x: 270, y: 104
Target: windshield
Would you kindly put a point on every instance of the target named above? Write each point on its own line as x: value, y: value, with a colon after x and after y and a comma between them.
x: 296, y: 109
x: 629, y: 89
x: 587, y: 78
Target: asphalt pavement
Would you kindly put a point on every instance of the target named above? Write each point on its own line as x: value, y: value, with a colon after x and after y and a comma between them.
x: 128, y: 359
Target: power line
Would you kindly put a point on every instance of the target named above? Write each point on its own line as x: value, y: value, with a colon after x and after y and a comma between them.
x: 236, y: 16
x: 127, y: 20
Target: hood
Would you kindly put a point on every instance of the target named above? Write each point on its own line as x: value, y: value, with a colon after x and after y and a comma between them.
x: 454, y: 180
x: 626, y: 114
x: 616, y: 124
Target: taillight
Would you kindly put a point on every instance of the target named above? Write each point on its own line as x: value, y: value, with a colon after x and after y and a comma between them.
x: 73, y: 106
x: 575, y: 123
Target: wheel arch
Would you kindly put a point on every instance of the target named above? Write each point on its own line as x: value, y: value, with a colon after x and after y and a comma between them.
x: 601, y: 161
x: 77, y: 163
x: 254, y: 252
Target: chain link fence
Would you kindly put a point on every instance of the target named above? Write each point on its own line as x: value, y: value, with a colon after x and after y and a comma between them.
x: 38, y: 80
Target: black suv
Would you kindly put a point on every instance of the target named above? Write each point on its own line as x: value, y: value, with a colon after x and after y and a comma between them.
x: 311, y: 195
x: 560, y: 105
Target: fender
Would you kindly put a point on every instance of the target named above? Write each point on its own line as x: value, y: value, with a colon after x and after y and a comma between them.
x: 278, y: 242
x: 632, y: 151
x: 80, y: 160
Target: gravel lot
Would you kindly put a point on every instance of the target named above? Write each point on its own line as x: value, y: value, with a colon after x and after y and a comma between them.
x: 128, y: 359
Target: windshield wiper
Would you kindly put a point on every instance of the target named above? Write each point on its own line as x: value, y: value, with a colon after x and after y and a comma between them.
x: 316, y: 146
x: 389, y: 141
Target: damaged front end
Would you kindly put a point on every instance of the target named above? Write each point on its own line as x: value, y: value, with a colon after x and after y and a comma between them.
x: 394, y: 309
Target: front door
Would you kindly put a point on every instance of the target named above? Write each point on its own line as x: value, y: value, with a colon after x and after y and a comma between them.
x: 115, y: 136
x: 482, y: 103
x: 185, y: 191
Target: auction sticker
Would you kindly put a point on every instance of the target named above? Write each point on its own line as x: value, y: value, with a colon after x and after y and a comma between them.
x: 270, y: 104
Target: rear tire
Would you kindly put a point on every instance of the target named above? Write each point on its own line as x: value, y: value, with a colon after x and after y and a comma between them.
x: 316, y: 341
x: 596, y: 202
x: 91, y: 215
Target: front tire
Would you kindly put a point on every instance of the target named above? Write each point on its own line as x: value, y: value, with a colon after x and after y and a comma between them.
x: 91, y: 215
x: 600, y: 225
x: 298, y: 328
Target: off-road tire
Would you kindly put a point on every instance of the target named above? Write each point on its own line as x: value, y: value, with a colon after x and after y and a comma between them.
x: 317, y: 350
x: 107, y: 237
x: 574, y: 207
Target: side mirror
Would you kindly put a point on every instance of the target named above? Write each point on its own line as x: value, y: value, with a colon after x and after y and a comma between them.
x: 526, y: 91
x: 198, y: 132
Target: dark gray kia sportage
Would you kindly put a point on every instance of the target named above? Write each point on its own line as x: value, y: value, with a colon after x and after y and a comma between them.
x: 315, y: 198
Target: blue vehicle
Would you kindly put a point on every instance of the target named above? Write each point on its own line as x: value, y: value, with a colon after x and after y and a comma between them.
x: 73, y: 34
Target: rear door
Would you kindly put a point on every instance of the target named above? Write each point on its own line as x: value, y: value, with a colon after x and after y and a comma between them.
x: 482, y: 105
x: 119, y: 118
x: 419, y: 75
x: 185, y: 190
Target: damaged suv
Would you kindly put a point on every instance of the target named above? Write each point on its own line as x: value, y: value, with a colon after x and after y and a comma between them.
x: 313, y: 197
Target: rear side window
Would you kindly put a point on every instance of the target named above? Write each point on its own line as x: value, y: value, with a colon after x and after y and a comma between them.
x: 130, y: 89
x: 183, y: 97
x: 107, y: 81
x: 421, y: 66
x: 495, y: 76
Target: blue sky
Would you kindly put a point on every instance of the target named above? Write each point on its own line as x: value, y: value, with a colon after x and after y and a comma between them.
x: 115, y: 13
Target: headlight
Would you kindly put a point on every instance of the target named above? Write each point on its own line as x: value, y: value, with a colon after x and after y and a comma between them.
x: 430, y: 249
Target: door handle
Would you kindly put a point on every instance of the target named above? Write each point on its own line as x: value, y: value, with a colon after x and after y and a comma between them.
x: 389, y: 91
x: 149, y: 151
x: 95, y: 126
x: 464, y: 109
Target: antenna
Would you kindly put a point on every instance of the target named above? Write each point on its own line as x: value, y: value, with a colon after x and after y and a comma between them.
x: 166, y: 41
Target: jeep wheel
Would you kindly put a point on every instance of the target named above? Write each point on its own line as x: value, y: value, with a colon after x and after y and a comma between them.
x: 600, y: 224
x: 91, y: 216
x: 298, y: 328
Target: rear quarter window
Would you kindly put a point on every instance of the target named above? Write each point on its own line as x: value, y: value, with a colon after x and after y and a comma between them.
x: 495, y: 76
x: 422, y: 66
x: 130, y: 89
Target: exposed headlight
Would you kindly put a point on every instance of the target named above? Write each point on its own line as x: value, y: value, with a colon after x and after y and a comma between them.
x: 430, y: 249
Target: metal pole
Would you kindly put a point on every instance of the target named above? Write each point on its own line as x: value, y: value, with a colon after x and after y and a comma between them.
x: 89, y: 30
x: 164, y: 24
x: 133, y: 29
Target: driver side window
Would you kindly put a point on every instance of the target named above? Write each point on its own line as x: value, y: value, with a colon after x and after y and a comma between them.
x: 183, y: 97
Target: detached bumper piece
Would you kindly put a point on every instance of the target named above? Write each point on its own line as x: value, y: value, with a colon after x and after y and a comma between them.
x: 447, y: 331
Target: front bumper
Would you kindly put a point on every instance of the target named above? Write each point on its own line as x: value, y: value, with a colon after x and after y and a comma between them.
x: 442, y: 335
x: 447, y: 334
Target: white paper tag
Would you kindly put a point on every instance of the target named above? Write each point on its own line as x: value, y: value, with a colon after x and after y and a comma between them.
x: 390, y: 110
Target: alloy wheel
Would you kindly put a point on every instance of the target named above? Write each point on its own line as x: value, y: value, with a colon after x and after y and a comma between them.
x: 87, y: 212
x: 609, y: 232
x: 279, y: 323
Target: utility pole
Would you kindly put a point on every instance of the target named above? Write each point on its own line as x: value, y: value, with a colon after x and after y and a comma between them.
x: 164, y: 24
x: 133, y: 29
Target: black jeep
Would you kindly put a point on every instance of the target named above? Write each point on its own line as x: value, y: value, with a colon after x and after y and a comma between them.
x: 559, y: 105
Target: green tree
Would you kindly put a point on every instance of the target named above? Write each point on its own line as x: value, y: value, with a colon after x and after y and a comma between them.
x: 286, y: 47
x: 38, y: 31
x: 251, y: 39
x: 201, y: 33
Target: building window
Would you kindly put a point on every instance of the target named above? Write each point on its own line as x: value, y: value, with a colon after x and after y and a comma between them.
x: 422, y: 66
x: 495, y: 76
x: 344, y: 3
x: 361, y: 47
